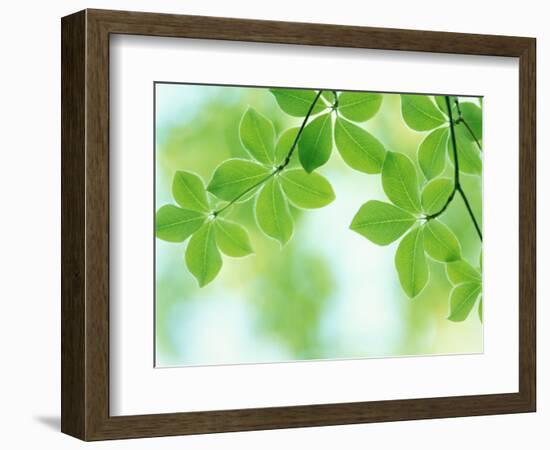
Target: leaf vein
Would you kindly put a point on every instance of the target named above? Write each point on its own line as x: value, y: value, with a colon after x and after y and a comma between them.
x: 359, y: 145
x: 197, y: 199
x: 179, y: 222
x: 412, y: 105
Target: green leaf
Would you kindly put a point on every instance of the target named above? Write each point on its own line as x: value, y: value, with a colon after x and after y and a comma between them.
x: 174, y: 224
x: 297, y: 102
x: 469, y: 156
x: 306, y: 190
x: 463, y: 299
x: 359, y: 106
x: 480, y: 310
x: 471, y: 113
x: 202, y: 257
x: 436, y: 194
x: 258, y: 136
x: 440, y: 242
x: 432, y: 153
x: 358, y: 148
x: 420, y: 112
x: 189, y: 192
x: 272, y: 213
x: 410, y: 262
x: 400, y: 183
x: 235, y: 176
x: 381, y: 223
x: 283, y: 146
x: 232, y: 238
x: 442, y: 105
x: 315, y: 144
x: 329, y: 97
x: 460, y: 272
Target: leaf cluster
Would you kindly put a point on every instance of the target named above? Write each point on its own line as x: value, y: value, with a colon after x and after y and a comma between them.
x: 414, y: 208
x: 336, y: 121
x: 266, y: 176
x: 282, y: 171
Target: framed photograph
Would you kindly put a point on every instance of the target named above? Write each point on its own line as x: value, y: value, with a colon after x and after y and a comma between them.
x: 270, y: 225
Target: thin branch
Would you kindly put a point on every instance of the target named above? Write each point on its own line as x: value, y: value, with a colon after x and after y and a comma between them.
x: 469, y: 208
x: 453, y: 141
x: 444, y: 208
x: 335, y: 105
x: 297, y: 138
x: 462, y: 120
x: 457, y: 186
x: 242, y: 194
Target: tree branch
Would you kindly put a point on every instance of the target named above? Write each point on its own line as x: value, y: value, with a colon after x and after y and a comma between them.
x: 461, y: 120
x: 297, y: 138
x: 457, y: 185
x: 469, y: 208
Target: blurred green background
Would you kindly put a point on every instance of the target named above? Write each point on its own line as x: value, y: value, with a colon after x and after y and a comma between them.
x: 329, y: 293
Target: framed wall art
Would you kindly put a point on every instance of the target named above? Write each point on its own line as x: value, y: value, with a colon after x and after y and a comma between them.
x: 270, y: 224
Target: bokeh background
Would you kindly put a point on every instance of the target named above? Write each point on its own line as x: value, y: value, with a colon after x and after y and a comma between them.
x: 329, y: 293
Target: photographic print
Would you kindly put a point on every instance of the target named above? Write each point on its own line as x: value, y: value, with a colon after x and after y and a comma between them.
x: 315, y: 224
x: 259, y: 227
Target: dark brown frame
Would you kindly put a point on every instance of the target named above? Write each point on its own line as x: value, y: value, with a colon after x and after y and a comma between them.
x: 85, y: 224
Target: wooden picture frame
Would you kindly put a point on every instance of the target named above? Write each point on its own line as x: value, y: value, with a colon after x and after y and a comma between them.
x: 85, y: 224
